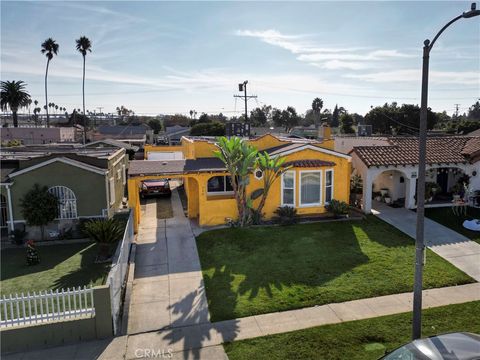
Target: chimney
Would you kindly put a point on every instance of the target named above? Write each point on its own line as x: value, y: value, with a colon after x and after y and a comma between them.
x: 324, y: 131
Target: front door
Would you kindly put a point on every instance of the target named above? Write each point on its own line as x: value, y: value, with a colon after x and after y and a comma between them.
x: 442, y: 180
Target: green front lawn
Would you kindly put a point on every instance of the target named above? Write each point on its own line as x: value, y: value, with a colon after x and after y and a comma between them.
x: 356, y: 340
x: 446, y: 217
x: 276, y: 268
x: 61, y: 266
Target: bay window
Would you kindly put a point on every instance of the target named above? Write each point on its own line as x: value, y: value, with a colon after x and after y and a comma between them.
x: 310, y: 188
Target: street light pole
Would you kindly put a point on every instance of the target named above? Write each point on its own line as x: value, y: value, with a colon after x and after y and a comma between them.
x: 419, y: 242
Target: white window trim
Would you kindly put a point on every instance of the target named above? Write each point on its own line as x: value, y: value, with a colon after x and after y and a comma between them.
x: 124, y: 174
x: 333, y: 185
x: 294, y: 188
x: 300, y: 204
x: 73, y: 199
x: 111, y: 185
x: 220, y: 193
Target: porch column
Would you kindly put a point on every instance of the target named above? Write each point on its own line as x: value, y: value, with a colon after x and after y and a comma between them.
x: 367, y: 191
x: 410, y: 190
x: 10, y: 207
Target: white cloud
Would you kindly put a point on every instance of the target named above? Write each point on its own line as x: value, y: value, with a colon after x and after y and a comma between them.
x: 324, y: 57
x: 414, y: 75
x: 339, y: 64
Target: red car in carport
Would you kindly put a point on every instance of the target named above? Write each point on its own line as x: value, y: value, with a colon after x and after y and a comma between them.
x: 155, y: 188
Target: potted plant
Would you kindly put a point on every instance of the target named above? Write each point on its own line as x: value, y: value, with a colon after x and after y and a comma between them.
x: 377, y: 195
x: 456, y: 191
x: 356, y: 186
x: 431, y: 189
x: 387, y: 199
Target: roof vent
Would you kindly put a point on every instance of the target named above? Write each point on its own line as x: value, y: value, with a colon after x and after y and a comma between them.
x: 164, y: 163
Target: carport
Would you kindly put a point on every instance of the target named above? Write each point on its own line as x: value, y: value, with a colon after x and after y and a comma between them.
x: 140, y: 170
x: 195, y: 174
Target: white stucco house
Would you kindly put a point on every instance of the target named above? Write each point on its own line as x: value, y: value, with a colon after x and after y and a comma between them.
x: 391, y: 165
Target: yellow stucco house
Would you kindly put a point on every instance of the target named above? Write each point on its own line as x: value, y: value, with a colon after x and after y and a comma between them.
x: 316, y: 175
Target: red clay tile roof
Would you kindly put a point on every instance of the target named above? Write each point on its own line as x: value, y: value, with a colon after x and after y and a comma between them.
x: 309, y: 163
x: 404, y: 151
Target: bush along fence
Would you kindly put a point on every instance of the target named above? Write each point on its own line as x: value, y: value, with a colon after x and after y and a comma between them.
x: 57, y: 317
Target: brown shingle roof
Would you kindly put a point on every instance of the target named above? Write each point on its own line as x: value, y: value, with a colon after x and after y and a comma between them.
x: 404, y: 151
x: 309, y: 163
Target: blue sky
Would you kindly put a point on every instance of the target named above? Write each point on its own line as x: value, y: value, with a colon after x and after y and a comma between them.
x: 165, y: 57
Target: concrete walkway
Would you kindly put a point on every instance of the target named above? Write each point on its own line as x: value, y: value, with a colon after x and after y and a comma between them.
x: 203, y: 341
x: 450, y: 245
x: 168, y: 289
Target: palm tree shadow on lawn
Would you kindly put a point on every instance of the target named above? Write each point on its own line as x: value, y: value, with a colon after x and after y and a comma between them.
x: 268, y: 270
x: 191, y: 326
x: 88, y: 273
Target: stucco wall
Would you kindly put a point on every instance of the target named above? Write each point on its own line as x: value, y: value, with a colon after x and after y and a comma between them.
x: 89, y: 187
x: 346, y: 144
x: 215, y: 209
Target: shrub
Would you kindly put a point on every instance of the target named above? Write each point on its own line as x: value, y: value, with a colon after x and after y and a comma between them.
x: 39, y: 207
x: 337, y: 207
x: 104, y: 231
x: 287, y: 215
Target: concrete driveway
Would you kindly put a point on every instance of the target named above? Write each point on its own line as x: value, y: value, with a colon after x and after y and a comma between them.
x: 168, y: 289
x: 452, y: 246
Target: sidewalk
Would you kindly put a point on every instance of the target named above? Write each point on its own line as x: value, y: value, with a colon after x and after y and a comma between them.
x: 168, y: 289
x: 203, y: 341
x: 457, y: 249
x: 193, y: 337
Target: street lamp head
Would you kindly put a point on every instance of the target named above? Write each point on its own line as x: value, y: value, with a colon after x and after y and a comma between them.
x: 473, y: 12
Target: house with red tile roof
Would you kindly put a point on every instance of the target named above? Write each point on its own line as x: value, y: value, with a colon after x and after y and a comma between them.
x: 389, y: 170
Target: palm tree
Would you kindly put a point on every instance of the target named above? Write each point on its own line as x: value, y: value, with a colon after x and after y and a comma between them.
x: 317, y: 106
x: 83, y: 46
x: 13, y: 96
x: 49, y: 48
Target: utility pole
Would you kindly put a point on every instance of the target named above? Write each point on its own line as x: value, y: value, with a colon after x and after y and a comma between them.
x: 422, y: 140
x: 243, y: 87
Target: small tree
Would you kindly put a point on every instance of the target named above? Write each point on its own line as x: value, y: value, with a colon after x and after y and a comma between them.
x: 272, y: 169
x: 346, y: 123
x: 239, y: 159
x: 39, y: 207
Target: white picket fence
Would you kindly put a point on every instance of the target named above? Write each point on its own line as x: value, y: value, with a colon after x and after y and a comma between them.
x: 46, y: 306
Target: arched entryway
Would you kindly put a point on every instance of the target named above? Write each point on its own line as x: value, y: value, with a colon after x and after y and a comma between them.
x: 390, y: 188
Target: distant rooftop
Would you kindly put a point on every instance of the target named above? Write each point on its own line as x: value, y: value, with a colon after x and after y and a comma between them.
x: 37, y: 151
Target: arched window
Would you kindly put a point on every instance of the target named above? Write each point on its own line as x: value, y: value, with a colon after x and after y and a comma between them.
x: 67, y: 202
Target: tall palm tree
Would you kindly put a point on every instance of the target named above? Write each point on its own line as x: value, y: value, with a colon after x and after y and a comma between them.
x: 13, y: 96
x: 49, y: 48
x: 317, y: 106
x: 83, y: 46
